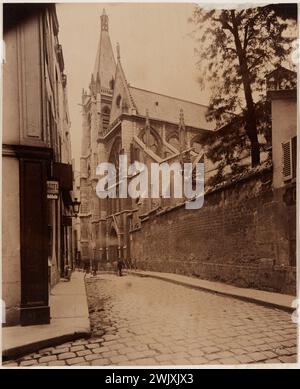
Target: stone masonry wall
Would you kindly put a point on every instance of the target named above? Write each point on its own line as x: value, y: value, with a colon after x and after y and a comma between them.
x: 243, y: 235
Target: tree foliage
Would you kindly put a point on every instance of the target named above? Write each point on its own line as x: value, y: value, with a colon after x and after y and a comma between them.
x: 237, y: 49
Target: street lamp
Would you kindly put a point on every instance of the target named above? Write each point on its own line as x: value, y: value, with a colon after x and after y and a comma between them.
x: 75, y: 206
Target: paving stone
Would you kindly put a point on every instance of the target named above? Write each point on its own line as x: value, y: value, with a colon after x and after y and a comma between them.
x: 196, y: 353
x: 141, y: 347
x: 182, y: 361
x: 46, y: 350
x: 74, y: 361
x: 281, y: 351
x: 108, y: 354
x: 28, y: 363
x: 208, y: 350
x: 76, y: 348
x: 116, y: 347
x: 244, y: 359
x: 91, y: 357
x: 257, y: 341
x: 101, y: 350
x: 181, y: 356
x: 126, y: 350
x: 101, y: 362
x: 228, y: 361
x: 48, y: 358
x: 80, y: 342
x: 66, y: 356
x: 198, y: 361
x: 258, y: 356
x: 291, y: 350
x: 82, y: 364
x: 93, y: 345
x: 10, y: 364
x: 177, y: 349
x: 145, y: 362
x: 237, y: 351
x: 288, y: 359
x: 162, y: 357
x: 83, y: 353
x: 57, y: 363
x: 270, y: 354
x: 110, y: 337
x: 273, y: 360
x: 27, y: 358
x: 60, y: 350
x: 118, y: 359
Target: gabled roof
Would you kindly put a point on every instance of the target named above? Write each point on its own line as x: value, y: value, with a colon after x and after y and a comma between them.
x: 281, y: 78
x: 121, y: 94
x: 167, y: 108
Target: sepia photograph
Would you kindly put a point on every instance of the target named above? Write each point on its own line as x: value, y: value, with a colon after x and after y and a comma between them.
x: 149, y: 186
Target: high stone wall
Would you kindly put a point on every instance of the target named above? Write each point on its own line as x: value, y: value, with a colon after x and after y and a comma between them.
x: 243, y: 235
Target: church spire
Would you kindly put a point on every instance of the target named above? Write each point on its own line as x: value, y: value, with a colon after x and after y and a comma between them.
x: 104, y: 21
x: 118, y: 52
x: 105, y: 64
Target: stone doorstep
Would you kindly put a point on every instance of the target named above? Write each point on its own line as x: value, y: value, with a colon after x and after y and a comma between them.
x: 260, y: 297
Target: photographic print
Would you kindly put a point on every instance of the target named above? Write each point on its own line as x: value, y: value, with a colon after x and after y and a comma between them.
x: 149, y: 174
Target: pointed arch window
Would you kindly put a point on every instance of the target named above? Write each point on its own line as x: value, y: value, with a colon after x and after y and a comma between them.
x: 174, y: 141
x: 105, y: 116
x: 154, y: 140
x: 112, y: 83
x: 118, y: 101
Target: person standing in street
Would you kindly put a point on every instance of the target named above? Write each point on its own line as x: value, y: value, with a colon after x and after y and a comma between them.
x: 120, y: 266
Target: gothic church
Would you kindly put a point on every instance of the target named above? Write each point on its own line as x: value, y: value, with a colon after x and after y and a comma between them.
x: 143, y: 125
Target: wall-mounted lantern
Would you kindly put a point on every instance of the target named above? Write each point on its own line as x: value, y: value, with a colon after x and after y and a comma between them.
x: 75, y: 207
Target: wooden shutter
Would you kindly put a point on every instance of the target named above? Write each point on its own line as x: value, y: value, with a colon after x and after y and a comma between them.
x: 294, y: 156
x: 287, y: 165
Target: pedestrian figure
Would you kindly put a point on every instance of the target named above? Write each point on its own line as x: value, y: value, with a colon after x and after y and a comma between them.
x: 120, y: 266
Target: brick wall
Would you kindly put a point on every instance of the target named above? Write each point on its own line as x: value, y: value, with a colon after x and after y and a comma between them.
x: 243, y: 235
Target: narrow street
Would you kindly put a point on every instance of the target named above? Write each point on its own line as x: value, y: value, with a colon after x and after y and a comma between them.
x: 144, y: 321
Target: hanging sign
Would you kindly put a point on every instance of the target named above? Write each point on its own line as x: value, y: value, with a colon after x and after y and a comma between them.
x: 52, y: 190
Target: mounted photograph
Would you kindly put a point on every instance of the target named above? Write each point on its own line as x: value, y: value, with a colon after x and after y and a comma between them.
x: 149, y: 185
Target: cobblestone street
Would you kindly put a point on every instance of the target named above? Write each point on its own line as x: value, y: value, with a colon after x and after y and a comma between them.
x: 143, y: 321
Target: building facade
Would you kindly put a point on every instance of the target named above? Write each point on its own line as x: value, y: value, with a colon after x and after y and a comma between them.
x: 37, y: 170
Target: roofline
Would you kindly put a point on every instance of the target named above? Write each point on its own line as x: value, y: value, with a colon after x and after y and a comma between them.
x: 280, y: 67
x: 171, y: 97
x: 139, y: 116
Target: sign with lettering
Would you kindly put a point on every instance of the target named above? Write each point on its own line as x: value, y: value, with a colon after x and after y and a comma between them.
x: 52, y: 190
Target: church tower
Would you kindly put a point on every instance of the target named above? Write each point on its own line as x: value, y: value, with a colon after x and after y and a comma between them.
x: 96, y: 108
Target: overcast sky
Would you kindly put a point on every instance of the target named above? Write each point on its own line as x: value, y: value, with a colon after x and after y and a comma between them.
x: 157, y: 52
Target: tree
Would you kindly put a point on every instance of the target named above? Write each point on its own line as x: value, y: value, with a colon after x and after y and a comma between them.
x: 237, y: 48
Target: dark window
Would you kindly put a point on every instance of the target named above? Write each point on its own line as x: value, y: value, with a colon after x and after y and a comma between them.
x: 118, y: 101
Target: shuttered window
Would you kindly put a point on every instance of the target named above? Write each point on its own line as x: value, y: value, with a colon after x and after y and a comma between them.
x: 294, y: 156
x: 289, y: 159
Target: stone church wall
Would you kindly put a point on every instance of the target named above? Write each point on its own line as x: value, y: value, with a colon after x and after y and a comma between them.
x: 243, y: 235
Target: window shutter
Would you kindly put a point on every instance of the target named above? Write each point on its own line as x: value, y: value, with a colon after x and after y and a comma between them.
x: 294, y: 156
x: 287, y: 160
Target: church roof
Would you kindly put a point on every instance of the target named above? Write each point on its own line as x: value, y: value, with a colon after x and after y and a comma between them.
x: 167, y: 108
